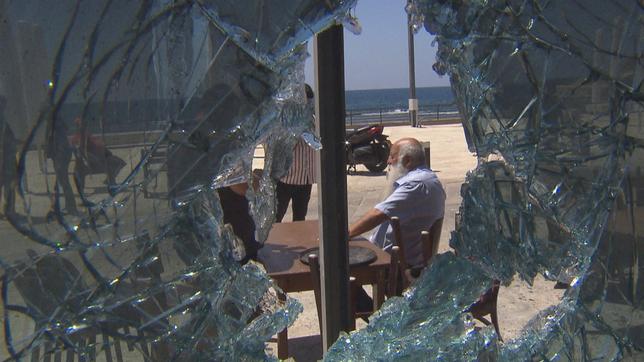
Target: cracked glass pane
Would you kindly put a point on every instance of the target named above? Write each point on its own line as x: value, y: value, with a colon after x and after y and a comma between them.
x: 270, y: 32
x: 128, y: 131
x: 130, y: 210
x: 551, y: 95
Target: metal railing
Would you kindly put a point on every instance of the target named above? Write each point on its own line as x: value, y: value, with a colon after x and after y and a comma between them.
x: 426, y: 114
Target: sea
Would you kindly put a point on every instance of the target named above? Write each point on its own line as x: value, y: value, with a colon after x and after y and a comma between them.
x: 397, y: 98
x: 362, y: 106
x: 392, y: 105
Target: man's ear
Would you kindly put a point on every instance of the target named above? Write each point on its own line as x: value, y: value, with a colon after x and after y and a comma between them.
x: 406, y: 162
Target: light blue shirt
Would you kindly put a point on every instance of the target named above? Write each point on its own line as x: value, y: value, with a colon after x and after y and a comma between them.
x: 418, y: 200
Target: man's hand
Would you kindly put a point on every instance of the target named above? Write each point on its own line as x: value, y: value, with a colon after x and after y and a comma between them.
x: 240, y: 189
x: 257, y: 175
x: 370, y: 220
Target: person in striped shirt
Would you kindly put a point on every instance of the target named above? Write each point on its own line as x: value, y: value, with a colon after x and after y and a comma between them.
x: 297, y: 184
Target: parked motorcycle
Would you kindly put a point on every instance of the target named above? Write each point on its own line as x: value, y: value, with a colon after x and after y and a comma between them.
x: 367, y: 146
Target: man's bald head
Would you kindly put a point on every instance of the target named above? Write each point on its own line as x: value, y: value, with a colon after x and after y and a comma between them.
x: 408, y: 152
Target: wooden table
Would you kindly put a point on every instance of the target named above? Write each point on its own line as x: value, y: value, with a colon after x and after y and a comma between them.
x: 281, y: 258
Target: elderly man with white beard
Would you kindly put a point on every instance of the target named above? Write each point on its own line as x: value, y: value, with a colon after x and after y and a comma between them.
x: 417, y: 199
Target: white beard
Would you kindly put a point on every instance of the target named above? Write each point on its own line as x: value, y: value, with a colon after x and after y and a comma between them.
x: 394, y: 172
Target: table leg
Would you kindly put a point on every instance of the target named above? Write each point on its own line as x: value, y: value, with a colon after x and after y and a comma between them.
x: 282, y: 337
x: 379, y: 291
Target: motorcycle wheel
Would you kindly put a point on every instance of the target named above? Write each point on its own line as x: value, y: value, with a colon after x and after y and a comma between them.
x: 383, y: 155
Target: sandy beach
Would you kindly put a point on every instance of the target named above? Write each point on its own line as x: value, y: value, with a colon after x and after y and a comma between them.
x: 450, y: 158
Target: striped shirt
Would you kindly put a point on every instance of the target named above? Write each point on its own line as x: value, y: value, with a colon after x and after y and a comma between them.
x: 302, y: 171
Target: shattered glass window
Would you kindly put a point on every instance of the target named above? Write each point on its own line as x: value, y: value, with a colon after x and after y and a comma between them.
x: 126, y: 125
x: 128, y: 130
x: 551, y: 95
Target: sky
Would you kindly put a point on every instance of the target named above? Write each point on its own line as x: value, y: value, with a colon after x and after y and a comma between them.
x: 377, y: 58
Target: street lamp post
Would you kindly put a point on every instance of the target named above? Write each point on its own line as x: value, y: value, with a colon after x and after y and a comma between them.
x: 413, y: 101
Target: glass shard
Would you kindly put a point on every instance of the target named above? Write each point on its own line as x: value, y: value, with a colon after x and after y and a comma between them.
x: 122, y: 122
x: 127, y: 128
x: 552, y: 91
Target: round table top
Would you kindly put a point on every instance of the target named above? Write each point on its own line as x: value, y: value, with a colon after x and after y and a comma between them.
x: 358, y: 255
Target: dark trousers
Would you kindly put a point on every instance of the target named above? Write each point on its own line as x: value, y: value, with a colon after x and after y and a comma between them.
x: 300, y: 194
x: 61, y: 164
x: 8, y: 168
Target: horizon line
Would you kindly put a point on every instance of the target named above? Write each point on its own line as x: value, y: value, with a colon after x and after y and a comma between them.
x: 431, y: 86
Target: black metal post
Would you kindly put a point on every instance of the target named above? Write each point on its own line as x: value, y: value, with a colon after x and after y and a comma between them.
x: 413, y: 102
x: 332, y: 183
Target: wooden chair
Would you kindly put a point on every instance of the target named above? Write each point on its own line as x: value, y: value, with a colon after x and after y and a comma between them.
x: 52, y: 284
x: 429, y: 239
x: 394, y: 275
x: 486, y: 305
x: 402, y: 262
x: 434, y: 238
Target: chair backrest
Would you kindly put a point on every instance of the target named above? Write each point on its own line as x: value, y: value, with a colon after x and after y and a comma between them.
x: 430, y: 244
x: 393, y: 278
x: 429, y: 239
x: 434, y: 238
x: 395, y: 227
x: 52, y: 287
x: 52, y: 284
